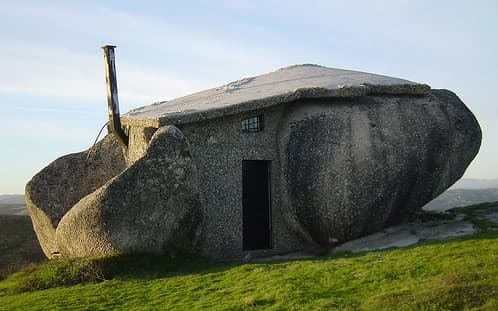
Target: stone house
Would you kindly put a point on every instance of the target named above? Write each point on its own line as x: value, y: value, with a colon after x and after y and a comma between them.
x: 302, y: 158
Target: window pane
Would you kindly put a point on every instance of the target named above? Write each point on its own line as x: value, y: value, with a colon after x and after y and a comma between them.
x: 252, y: 124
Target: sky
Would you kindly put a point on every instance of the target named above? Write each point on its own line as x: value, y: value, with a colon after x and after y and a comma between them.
x: 52, y: 83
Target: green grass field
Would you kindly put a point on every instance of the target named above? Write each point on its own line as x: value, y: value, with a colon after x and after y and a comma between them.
x: 460, y: 274
x: 451, y: 275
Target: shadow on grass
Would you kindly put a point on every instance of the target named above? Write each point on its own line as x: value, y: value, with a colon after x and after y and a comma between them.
x: 66, y: 272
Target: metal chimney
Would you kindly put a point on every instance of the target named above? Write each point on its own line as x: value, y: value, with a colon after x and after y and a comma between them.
x: 112, y: 96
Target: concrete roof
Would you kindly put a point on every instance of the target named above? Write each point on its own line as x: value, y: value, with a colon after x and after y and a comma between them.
x: 284, y: 85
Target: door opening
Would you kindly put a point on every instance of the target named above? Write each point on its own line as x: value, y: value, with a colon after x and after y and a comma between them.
x: 256, y: 207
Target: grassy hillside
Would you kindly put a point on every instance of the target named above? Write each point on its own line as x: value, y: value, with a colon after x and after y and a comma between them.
x: 459, y: 274
x: 452, y: 275
x: 18, y: 244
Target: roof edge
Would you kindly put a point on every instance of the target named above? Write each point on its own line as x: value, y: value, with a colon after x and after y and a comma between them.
x: 183, y: 117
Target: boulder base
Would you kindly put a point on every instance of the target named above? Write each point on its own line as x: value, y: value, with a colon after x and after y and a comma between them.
x: 151, y: 207
x: 54, y: 190
x: 353, y: 168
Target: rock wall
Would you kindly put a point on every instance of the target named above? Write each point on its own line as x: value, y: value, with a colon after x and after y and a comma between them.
x: 52, y: 192
x: 341, y: 168
x: 151, y: 207
x: 357, y: 165
x: 107, y: 207
x: 218, y: 148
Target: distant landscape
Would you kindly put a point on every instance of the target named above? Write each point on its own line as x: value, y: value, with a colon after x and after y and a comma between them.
x: 464, y: 192
x: 18, y: 243
x: 12, y: 204
x: 462, y: 197
x: 471, y: 183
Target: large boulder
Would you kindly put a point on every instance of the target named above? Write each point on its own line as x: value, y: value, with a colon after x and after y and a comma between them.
x: 354, y: 166
x: 54, y: 190
x: 151, y: 207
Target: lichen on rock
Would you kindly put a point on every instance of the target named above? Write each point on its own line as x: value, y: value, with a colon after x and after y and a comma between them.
x: 149, y: 206
x: 355, y: 168
x: 348, y: 153
x: 52, y: 192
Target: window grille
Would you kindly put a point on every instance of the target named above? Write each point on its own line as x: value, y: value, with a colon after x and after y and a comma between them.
x: 252, y: 124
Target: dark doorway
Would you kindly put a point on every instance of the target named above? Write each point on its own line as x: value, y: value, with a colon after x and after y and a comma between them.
x: 256, y: 212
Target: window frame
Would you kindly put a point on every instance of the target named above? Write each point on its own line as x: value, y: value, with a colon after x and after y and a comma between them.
x: 252, y: 124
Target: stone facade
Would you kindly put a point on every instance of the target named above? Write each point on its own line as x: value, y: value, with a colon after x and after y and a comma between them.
x: 219, y: 147
x: 52, y: 192
x: 151, y: 207
x: 347, y: 154
x: 340, y: 168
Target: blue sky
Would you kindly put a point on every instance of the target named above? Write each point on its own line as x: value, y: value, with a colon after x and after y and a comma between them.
x: 52, y: 86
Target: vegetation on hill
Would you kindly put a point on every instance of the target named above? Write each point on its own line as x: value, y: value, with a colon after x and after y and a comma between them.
x: 460, y: 274
x: 18, y: 244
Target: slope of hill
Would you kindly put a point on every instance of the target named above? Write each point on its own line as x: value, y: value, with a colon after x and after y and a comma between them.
x: 12, y: 204
x: 458, y: 274
x: 472, y: 183
x: 461, y: 197
x: 11, y: 199
x: 18, y: 244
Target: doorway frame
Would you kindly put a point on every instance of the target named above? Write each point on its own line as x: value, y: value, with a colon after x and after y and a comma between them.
x: 269, y: 203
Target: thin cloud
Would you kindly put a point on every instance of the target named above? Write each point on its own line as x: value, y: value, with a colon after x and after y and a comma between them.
x: 20, y: 128
x: 61, y: 73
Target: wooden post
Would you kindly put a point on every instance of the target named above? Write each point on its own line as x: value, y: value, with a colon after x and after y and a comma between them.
x: 112, y: 96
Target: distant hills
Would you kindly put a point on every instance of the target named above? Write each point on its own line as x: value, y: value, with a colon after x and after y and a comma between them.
x: 12, y: 204
x: 464, y: 192
x: 462, y: 197
x: 470, y: 183
x: 11, y: 198
x: 18, y: 244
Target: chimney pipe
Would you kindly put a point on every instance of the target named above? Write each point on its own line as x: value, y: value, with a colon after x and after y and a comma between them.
x: 112, y: 96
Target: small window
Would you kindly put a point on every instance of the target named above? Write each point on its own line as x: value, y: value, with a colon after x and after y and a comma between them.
x: 252, y: 124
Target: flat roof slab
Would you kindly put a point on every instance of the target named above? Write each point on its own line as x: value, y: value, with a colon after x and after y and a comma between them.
x: 274, y: 88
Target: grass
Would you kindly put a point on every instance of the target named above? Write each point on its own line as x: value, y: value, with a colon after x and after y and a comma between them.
x: 460, y: 274
x: 474, y: 214
x: 451, y: 275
